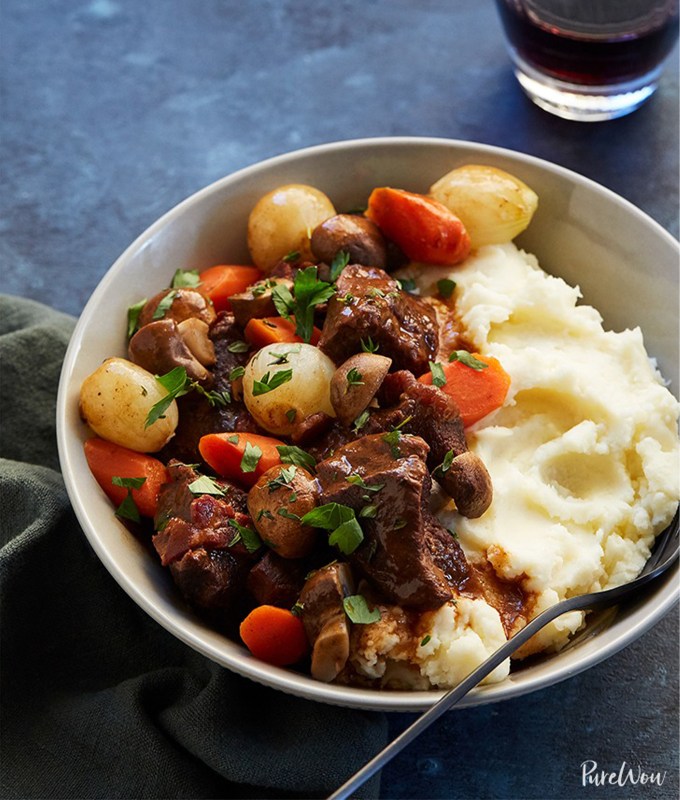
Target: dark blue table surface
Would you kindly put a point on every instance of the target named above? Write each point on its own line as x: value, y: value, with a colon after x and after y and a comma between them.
x: 115, y: 110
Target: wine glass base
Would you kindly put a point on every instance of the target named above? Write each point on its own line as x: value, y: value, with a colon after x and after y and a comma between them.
x: 584, y: 103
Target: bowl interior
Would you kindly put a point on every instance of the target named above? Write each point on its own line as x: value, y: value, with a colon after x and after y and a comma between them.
x: 625, y: 264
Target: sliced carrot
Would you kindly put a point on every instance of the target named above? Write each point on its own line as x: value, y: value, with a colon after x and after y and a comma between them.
x: 241, y: 457
x: 107, y: 460
x: 275, y: 330
x: 476, y: 392
x: 224, y: 280
x: 423, y: 227
x: 274, y: 635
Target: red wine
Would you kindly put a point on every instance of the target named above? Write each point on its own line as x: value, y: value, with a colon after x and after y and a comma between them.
x: 601, y: 43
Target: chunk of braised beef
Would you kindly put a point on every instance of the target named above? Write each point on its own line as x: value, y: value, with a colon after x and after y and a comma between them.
x: 276, y: 581
x: 194, y: 538
x: 209, y: 579
x: 406, y: 554
x: 426, y: 411
x: 369, y: 304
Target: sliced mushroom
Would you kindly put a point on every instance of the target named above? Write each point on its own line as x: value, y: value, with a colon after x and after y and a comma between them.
x: 357, y: 236
x: 355, y: 383
x: 276, y: 503
x: 256, y: 302
x: 159, y: 348
x: 325, y: 621
x: 177, y: 305
x: 195, y: 334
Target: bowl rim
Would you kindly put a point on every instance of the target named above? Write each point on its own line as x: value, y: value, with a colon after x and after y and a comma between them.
x: 641, y: 620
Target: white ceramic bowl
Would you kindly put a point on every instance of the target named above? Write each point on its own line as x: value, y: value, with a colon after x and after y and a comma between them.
x: 624, y: 262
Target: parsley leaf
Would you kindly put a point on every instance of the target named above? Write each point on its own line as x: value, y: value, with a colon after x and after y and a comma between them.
x: 251, y: 457
x: 174, y: 383
x: 128, y: 483
x: 425, y: 640
x: 438, y: 377
x: 393, y: 438
x: 185, y: 278
x: 128, y: 509
x: 205, y: 485
x: 133, y: 317
x: 309, y: 292
x: 361, y: 420
x: 246, y: 535
x: 283, y: 479
x: 468, y: 359
x: 164, y: 306
x: 445, y: 287
x: 284, y: 512
x: 340, y: 261
x: 407, y: 284
x: 238, y: 347
x: 354, y: 377
x: 283, y: 300
x: 369, y: 512
x: 329, y: 516
x: 236, y: 373
x: 358, y: 611
x: 357, y: 480
x: 347, y: 536
x: 369, y: 346
x: 290, y: 454
x: 269, y: 382
x: 445, y: 466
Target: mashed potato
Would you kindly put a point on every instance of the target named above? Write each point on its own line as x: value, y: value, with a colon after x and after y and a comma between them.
x: 583, y: 456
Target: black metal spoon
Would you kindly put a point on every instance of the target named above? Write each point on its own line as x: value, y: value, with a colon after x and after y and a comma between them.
x: 663, y: 556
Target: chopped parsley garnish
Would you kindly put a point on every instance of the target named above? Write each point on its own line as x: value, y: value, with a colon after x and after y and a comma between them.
x: 233, y: 439
x: 269, y: 382
x: 393, y: 438
x: 290, y: 415
x: 357, y: 480
x: 358, y: 611
x: 354, y: 377
x: 128, y: 483
x: 425, y: 640
x: 236, y: 373
x: 329, y: 516
x: 438, y: 377
x: 340, y: 261
x: 297, y: 609
x: 282, y: 358
x: 283, y: 512
x: 128, y: 508
x: 185, y: 278
x: 251, y: 457
x: 445, y: 466
x: 290, y: 454
x: 133, y: 317
x: 164, y: 306
x: 445, y: 287
x: 348, y: 536
x: 263, y: 512
x: 246, y: 535
x: 238, y: 347
x: 174, y: 383
x: 309, y: 292
x: 360, y: 421
x: 369, y: 346
x: 468, y: 359
x: 407, y: 284
x: 340, y: 520
x: 214, y: 398
x: 283, y: 300
x: 205, y: 485
x: 294, y: 255
x: 284, y: 478
x: 452, y: 532
x: 369, y: 512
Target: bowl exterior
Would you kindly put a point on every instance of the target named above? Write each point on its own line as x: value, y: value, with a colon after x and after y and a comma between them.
x: 624, y: 262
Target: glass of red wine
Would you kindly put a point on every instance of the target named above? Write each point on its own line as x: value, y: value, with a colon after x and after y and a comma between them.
x: 589, y: 60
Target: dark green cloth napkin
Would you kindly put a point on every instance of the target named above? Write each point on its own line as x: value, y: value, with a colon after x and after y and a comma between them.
x: 99, y: 701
